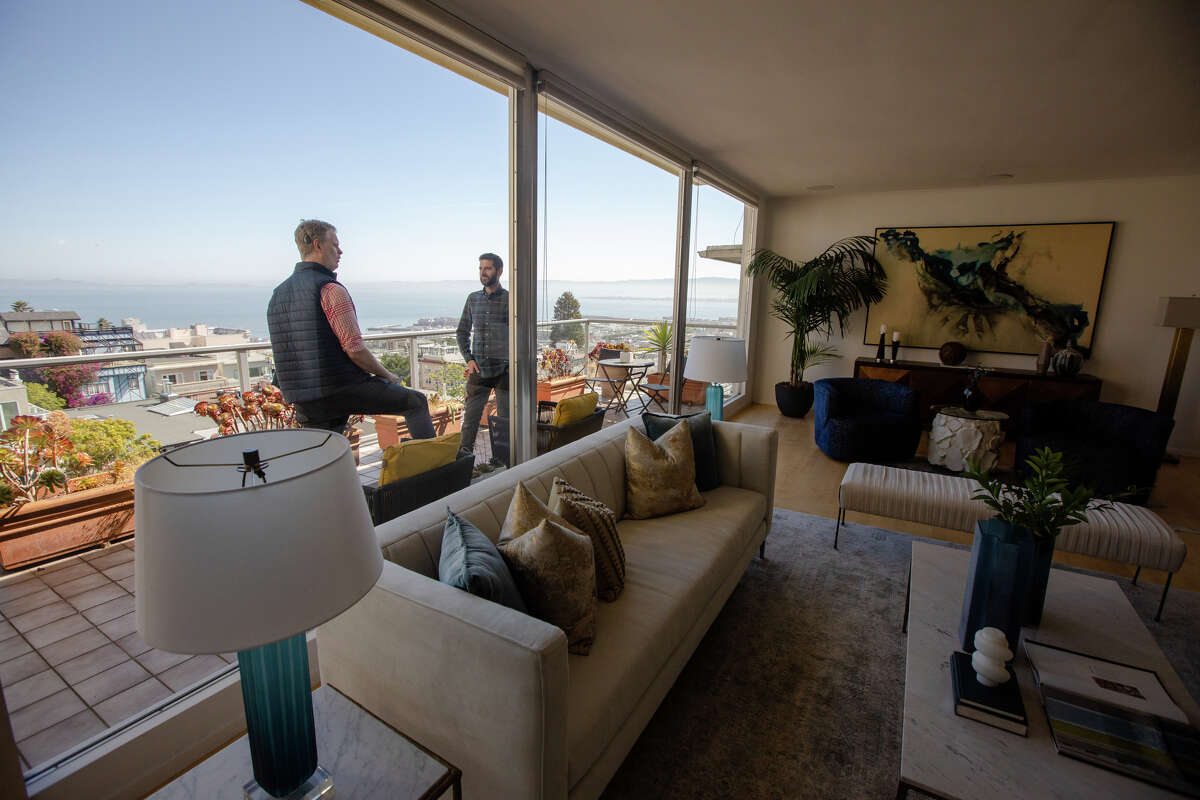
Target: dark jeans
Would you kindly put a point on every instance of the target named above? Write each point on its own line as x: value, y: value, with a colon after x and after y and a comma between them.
x: 373, y: 396
x: 478, y: 391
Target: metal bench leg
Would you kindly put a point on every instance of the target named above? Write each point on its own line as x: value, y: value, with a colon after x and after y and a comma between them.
x: 1163, y: 600
x: 907, y: 598
x: 840, y: 517
x: 1135, y: 576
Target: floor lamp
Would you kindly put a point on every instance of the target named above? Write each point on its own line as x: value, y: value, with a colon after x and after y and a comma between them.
x: 1182, y: 314
x: 244, y: 543
x: 716, y: 360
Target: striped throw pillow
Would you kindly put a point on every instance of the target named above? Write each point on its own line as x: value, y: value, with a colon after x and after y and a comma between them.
x: 600, y: 524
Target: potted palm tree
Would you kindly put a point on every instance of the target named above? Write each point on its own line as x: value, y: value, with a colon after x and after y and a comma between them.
x: 811, y: 295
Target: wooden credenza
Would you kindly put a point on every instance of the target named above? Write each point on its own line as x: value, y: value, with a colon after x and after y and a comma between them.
x: 1007, y: 390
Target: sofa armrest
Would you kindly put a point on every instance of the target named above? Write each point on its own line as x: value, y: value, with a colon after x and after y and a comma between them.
x: 481, y: 685
x: 746, y: 456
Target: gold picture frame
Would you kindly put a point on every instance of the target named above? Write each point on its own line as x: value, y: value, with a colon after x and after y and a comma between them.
x: 994, y: 288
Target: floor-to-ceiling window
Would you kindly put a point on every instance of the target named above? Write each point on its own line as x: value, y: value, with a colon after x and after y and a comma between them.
x: 607, y: 229
x: 157, y: 158
x: 716, y: 296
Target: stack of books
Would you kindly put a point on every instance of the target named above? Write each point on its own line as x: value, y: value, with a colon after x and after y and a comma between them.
x: 1116, y: 716
x: 1000, y: 706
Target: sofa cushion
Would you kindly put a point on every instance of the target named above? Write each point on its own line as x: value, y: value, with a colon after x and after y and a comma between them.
x: 556, y: 574
x: 415, y: 456
x: 526, y: 511
x: 573, y: 409
x: 469, y: 561
x: 675, y: 565
x: 660, y: 477
x: 704, y: 446
x: 600, y: 524
x: 595, y: 465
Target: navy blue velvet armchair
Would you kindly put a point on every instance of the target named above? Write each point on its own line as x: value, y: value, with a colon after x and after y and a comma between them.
x: 1106, y: 446
x: 861, y: 419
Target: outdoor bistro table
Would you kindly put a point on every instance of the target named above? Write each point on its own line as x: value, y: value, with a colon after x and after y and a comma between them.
x: 635, y: 372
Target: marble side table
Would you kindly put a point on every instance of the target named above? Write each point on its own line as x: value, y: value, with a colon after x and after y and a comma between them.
x: 959, y: 436
x: 367, y: 758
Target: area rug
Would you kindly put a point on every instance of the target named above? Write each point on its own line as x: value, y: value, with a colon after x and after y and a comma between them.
x: 797, y: 690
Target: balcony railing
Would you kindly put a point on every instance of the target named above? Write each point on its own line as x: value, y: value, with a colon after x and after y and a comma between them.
x: 242, y: 351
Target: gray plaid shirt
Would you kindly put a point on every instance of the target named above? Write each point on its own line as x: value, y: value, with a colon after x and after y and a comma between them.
x: 483, y: 331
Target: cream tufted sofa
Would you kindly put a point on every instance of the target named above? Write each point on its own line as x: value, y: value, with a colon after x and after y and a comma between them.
x: 492, y: 690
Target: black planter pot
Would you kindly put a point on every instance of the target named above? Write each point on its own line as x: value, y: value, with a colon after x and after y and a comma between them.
x: 793, y: 401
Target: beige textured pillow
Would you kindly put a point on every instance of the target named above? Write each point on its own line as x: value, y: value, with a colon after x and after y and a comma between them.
x: 556, y: 574
x: 525, y: 511
x: 600, y: 524
x: 660, y: 476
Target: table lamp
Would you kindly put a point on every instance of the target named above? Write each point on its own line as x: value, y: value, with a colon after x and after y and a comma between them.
x: 1182, y: 314
x: 716, y: 360
x: 244, y: 543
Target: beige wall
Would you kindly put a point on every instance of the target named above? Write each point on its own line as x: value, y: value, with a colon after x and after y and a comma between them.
x: 1153, y: 254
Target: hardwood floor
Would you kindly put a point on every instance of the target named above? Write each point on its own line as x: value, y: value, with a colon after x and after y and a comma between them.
x: 807, y: 480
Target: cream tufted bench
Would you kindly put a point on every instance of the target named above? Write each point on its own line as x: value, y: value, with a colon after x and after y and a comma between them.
x: 1125, y: 533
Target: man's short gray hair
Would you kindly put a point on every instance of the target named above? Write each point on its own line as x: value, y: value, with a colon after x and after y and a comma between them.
x: 310, y: 231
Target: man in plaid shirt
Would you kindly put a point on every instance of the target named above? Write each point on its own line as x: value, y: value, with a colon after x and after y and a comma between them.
x: 483, y: 342
x: 322, y: 363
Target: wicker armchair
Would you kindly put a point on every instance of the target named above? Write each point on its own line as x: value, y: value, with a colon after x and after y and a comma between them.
x: 549, y: 437
x: 400, y: 497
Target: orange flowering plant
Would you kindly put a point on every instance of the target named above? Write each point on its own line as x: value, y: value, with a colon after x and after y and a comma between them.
x: 258, y: 409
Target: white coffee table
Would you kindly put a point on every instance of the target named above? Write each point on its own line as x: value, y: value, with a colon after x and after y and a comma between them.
x: 948, y: 756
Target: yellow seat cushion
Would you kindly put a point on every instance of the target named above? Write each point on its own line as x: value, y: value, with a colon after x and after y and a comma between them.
x: 415, y: 456
x: 573, y: 409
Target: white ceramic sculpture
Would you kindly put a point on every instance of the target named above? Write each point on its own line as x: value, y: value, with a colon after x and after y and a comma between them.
x: 991, y: 654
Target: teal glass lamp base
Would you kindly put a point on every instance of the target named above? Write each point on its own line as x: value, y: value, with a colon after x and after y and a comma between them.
x: 318, y: 785
x: 714, y: 401
x: 279, y: 721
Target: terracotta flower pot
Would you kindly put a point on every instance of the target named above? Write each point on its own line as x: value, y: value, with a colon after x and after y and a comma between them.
x: 392, y: 428
x: 65, y: 523
x: 556, y: 389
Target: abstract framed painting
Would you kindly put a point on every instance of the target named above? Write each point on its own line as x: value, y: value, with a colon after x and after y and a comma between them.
x: 995, y: 288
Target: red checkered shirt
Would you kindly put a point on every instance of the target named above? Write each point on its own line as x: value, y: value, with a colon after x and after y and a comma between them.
x: 339, y: 311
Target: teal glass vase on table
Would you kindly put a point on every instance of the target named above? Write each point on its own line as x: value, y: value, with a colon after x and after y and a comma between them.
x: 245, y: 543
x: 716, y: 360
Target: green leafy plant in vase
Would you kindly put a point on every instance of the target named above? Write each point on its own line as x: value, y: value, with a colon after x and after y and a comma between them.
x: 1035, y: 511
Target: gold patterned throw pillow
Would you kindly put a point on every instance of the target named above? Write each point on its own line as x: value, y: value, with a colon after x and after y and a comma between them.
x: 600, y: 524
x: 660, y: 476
x: 525, y: 511
x: 556, y: 575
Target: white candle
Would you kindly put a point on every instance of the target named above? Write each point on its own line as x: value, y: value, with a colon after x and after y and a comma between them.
x: 883, y: 328
x: 895, y: 336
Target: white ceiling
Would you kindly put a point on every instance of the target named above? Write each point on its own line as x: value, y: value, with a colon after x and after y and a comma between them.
x: 882, y: 94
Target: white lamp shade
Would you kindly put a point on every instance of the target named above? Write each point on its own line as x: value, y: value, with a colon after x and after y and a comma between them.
x: 221, y: 568
x: 1179, y: 312
x: 716, y: 359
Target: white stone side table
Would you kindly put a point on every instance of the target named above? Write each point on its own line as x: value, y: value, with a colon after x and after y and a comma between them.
x: 959, y: 436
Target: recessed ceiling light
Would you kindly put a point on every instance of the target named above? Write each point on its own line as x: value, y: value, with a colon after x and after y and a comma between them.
x: 1000, y: 176
x: 820, y: 187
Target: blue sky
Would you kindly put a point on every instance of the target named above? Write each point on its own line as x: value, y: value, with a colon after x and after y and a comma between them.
x: 171, y: 141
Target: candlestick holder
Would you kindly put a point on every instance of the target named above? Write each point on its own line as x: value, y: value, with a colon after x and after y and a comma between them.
x: 879, y: 351
x: 895, y: 349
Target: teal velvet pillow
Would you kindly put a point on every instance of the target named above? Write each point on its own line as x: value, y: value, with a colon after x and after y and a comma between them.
x: 704, y: 443
x: 472, y: 563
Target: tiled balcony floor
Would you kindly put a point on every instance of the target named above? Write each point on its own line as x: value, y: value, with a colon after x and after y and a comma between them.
x: 71, y: 661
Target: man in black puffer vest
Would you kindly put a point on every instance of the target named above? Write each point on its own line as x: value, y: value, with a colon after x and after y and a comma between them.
x: 321, y: 362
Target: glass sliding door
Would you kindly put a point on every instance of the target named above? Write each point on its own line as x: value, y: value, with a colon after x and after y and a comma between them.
x: 606, y: 246
x: 716, y: 298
